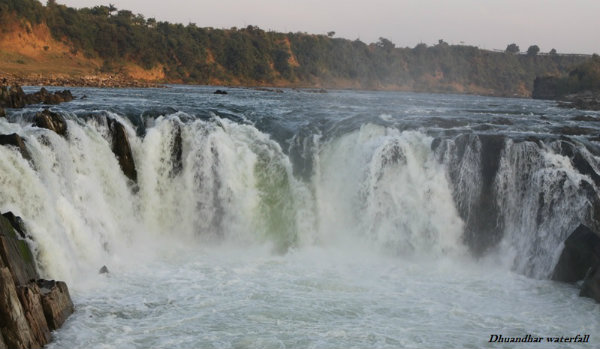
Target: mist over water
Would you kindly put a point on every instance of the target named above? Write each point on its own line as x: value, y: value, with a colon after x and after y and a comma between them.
x: 360, y: 219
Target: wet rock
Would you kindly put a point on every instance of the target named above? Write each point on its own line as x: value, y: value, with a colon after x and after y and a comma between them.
x: 591, y: 284
x: 29, y: 308
x: 220, y: 92
x: 15, y: 140
x: 31, y: 300
x: 51, y: 121
x: 103, y: 270
x: 56, y: 302
x: 12, y: 97
x: 17, y: 223
x: 122, y: 149
x: 2, y: 115
x: 13, y: 322
x: 579, y: 161
x: 45, y: 97
x: 16, y: 255
x: 176, y: 152
x: 581, y: 252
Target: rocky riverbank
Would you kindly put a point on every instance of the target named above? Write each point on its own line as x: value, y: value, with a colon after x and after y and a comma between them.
x: 100, y: 80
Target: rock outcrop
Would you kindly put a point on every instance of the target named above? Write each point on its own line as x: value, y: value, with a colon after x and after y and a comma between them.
x: 121, y: 148
x: 14, y: 97
x: 29, y: 307
x: 52, y: 121
x: 15, y: 140
x: 591, y: 284
x: 581, y: 252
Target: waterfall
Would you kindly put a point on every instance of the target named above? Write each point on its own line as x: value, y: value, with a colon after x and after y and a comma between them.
x: 213, y: 180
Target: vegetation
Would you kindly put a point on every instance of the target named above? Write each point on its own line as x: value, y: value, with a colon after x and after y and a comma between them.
x: 584, y: 77
x: 252, y: 56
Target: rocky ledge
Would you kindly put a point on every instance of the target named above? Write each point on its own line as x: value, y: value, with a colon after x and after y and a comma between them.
x: 30, y: 308
x: 14, y: 97
x: 586, y: 101
x: 580, y: 260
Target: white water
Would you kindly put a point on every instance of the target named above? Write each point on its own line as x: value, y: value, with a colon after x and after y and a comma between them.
x: 236, y: 252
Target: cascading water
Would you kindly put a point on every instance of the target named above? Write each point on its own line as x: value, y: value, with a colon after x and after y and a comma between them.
x: 397, y: 202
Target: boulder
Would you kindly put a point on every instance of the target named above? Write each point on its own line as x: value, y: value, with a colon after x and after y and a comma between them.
x: 56, y: 302
x: 52, y: 121
x: 31, y: 300
x: 103, y: 270
x: 581, y: 252
x: 591, y: 284
x: 12, y: 97
x: 29, y: 307
x: 13, y: 323
x: 15, y: 140
x: 220, y: 92
x: 122, y: 149
x: 16, y: 255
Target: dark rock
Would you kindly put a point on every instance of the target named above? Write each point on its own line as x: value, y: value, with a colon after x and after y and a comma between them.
x: 103, y: 270
x: 580, y: 163
x: 220, y: 92
x: 16, y: 141
x: 13, y: 323
x: 31, y: 300
x: 581, y: 252
x: 591, y: 284
x: 122, y: 149
x: 176, y: 152
x: 483, y: 228
x: 16, y: 255
x: 56, y: 302
x: 12, y: 97
x: 17, y: 223
x: 2, y: 113
x: 546, y: 87
x: 52, y: 121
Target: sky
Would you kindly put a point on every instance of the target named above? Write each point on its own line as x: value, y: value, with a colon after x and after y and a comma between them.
x: 569, y: 26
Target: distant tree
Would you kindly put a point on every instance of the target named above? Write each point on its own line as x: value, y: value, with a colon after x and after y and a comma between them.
x: 331, y: 34
x: 512, y: 48
x: 385, y: 44
x: 533, y: 50
x: 552, y: 52
x: 111, y: 8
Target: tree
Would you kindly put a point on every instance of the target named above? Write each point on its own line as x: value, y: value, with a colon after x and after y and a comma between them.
x: 512, y: 48
x: 331, y: 34
x: 533, y: 50
x: 552, y: 52
x: 385, y: 44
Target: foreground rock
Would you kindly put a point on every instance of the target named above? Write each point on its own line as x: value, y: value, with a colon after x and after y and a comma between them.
x: 29, y: 307
x: 15, y: 140
x: 2, y: 112
x: 51, y: 121
x: 581, y: 252
x: 122, y: 149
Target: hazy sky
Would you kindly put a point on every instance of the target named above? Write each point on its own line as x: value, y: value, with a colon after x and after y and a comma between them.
x: 570, y: 26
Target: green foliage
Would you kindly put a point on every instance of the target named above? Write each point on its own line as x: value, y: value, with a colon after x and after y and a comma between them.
x: 512, y: 48
x: 250, y: 55
x: 533, y: 50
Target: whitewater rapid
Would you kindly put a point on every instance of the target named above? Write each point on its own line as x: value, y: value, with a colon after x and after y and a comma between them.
x: 249, y: 231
